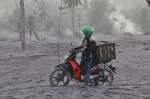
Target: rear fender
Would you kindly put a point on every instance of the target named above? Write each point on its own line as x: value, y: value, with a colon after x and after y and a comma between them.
x: 112, y: 68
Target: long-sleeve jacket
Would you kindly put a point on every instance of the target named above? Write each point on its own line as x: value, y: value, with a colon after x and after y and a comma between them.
x: 89, y: 49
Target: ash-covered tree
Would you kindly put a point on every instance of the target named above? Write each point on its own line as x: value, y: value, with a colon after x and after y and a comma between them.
x: 72, y: 4
x: 14, y: 21
x: 31, y: 26
x: 42, y: 10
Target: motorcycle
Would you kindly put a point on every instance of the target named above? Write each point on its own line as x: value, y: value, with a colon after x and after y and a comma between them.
x: 70, y: 70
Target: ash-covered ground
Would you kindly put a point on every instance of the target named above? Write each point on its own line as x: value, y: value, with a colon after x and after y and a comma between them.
x: 25, y: 74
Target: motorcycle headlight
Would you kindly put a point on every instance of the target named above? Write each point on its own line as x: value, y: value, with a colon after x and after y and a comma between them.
x: 66, y: 56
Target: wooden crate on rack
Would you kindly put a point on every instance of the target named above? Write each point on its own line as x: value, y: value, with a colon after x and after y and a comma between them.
x: 105, y: 51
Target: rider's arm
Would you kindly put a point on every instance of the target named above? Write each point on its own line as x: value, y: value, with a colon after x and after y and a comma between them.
x: 78, y: 48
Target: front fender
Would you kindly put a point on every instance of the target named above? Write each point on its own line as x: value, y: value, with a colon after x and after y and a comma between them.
x: 63, y: 65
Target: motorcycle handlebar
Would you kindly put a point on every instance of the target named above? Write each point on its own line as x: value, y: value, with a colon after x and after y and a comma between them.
x: 77, y: 51
x: 74, y: 51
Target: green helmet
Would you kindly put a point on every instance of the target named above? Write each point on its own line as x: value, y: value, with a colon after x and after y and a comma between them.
x: 88, y: 30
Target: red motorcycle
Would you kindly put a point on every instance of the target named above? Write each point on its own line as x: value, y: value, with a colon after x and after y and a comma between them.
x: 70, y: 70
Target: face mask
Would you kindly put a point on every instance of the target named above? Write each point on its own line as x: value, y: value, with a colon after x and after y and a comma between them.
x: 83, y: 36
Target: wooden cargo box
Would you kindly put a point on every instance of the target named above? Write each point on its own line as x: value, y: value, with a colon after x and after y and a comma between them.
x: 105, y: 51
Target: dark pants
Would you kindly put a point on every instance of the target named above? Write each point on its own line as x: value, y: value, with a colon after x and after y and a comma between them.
x: 86, y: 64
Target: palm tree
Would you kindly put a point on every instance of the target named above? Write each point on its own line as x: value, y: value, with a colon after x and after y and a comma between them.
x: 42, y: 9
x: 69, y: 4
x: 85, y: 6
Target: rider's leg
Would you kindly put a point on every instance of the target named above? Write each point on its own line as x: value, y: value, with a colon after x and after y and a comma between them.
x: 82, y: 63
x: 85, y: 65
x: 88, y: 64
x: 87, y: 74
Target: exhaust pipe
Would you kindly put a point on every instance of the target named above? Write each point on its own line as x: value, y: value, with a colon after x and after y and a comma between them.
x: 93, y: 77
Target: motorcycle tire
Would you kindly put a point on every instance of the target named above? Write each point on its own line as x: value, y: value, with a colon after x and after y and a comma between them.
x: 62, y: 73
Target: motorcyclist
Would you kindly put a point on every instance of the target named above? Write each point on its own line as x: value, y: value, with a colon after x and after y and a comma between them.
x: 88, y: 47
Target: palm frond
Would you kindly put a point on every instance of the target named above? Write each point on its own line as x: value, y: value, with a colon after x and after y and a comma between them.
x: 70, y: 3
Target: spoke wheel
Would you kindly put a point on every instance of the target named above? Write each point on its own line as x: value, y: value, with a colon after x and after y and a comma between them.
x: 59, y: 77
x: 108, y: 77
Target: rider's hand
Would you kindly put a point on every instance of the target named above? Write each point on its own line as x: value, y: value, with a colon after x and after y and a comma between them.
x: 82, y: 49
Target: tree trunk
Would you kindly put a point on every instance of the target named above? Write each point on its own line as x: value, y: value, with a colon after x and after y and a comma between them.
x: 148, y: 1
x: 22, y: 24
x: 37, y: 37
x: 30, y: 34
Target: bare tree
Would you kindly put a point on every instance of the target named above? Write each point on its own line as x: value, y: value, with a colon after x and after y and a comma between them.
x: 22, y: 24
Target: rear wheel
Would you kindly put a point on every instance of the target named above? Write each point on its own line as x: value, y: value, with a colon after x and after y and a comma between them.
x: 107, y: 77
x: 59, y: 77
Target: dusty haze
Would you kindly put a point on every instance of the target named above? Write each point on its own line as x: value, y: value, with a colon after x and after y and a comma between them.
x: 105, y: 16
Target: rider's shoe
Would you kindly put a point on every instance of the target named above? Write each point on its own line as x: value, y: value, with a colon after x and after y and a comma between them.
x: 84, y: 86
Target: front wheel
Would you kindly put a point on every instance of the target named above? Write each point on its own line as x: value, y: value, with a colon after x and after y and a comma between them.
x: 59, y: 77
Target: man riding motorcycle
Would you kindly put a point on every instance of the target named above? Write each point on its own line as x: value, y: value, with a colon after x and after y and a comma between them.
x: 88, y: 47
x: 89, y: 70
